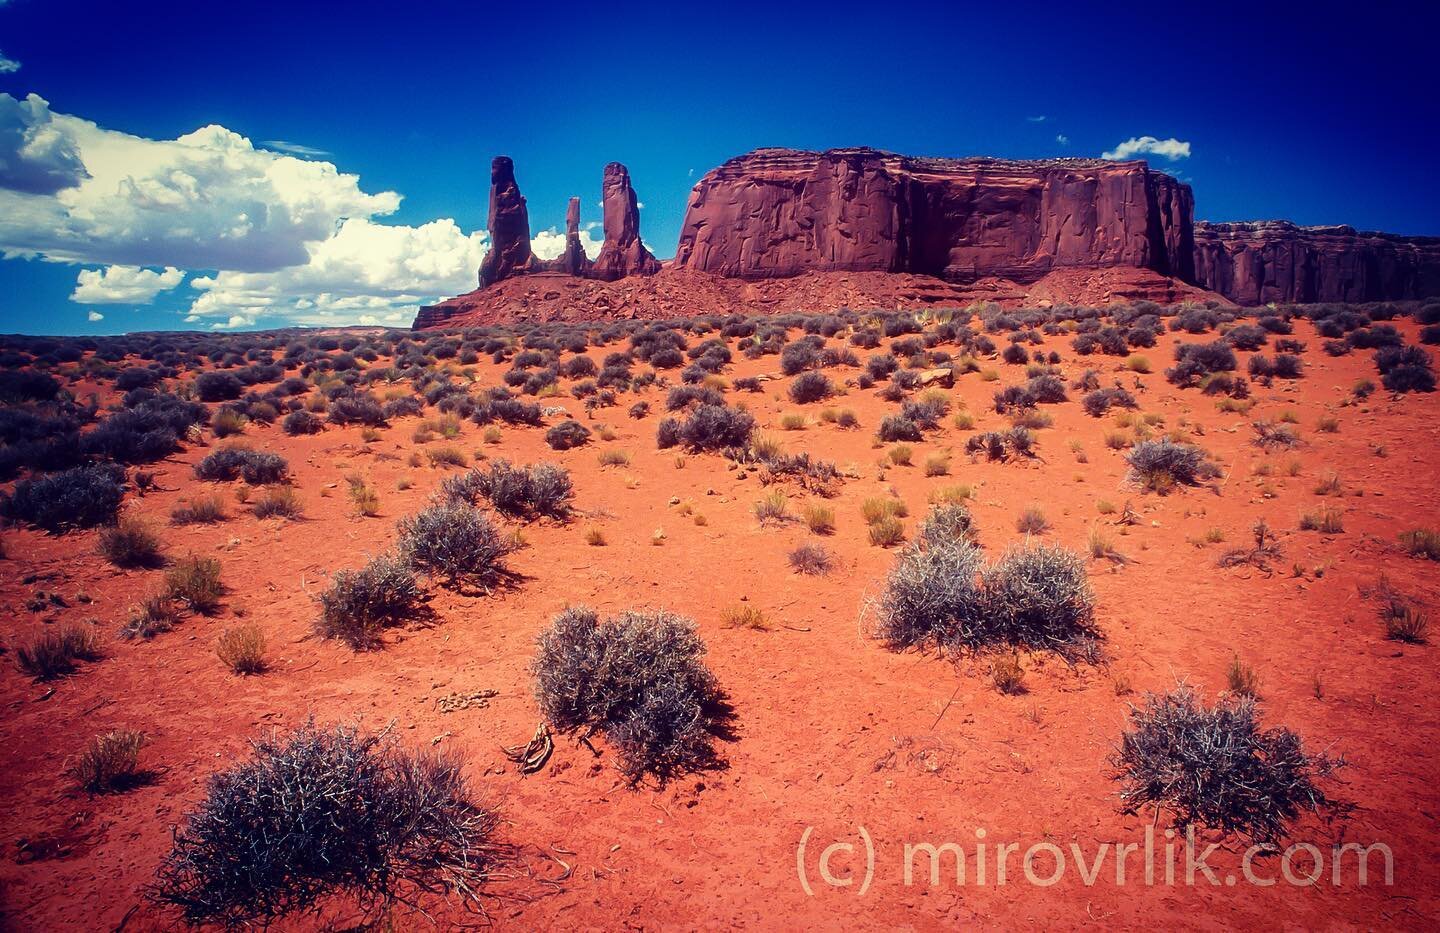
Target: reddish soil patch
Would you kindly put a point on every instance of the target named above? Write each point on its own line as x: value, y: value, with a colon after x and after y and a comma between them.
x: 834, y: 731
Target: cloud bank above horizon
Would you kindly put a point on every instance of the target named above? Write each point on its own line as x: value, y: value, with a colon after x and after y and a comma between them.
x: 279, y: 237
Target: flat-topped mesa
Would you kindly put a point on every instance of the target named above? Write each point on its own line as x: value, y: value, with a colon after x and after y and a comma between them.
x: 624, y: 253
x: 1259, y: 262
x: 778, y: 212
x: 509, y: 224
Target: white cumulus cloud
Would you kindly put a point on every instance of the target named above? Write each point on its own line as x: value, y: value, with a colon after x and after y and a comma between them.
x: 1171, y: 149
x: 1062, y: 139
x: 36, y: 155
x: 366, y: 273
x: 206, y: 200
x: 124, y: 284
x: 8, y: 65
x: 550, y: 244
x: 94, y: 316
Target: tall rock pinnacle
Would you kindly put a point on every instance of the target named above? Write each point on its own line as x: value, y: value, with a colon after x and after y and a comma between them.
x: 509, y: 227
x: 623, y: 253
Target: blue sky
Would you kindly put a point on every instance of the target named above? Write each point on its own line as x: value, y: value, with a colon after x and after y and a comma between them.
x: 1318, y: 113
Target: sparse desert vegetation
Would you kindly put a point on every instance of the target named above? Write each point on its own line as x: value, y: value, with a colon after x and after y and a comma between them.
x: 401, y: 531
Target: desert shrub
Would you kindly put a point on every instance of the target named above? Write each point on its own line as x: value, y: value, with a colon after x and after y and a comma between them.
x: 55, y: 650
x: 539, y: 489
x: 708, y: 427
x: 810, y: 559
x: 932, y: 591
x: 81, y: 497
x: 454, y: 541
x: 358, y: 604
x: 638, y: 677
x: 27, y: 385
x: 323, y: 811
x: 1163, y: 464
x: 1037, y: 597
x: 154, y: 614
x: 227, y: 422
x: 130, y: 542
x: 1002, y: 445
x: 195, y: 582
x: 1246, y: 337
x: 810, y: 387
x: 1405, y: 369
x: 946, y: 524
x: 242, y: 649
x: 147, y: 431
x: 218, y: 387
x: 1100, y: 401
x: 1216, y: 767
x: 110, y: 763
x: 898, y: 428
x: 258, y: 468
x: 1194, y: 360
x: 566, y: 435
x: 356, y: 409
x: 301, y: 422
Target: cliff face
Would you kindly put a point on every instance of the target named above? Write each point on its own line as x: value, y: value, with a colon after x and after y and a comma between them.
x: 779, y: 212
x: 1264, y: 261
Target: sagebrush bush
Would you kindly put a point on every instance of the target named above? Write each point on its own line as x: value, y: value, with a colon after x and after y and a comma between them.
x: 201, y: 510
x: 538, y: 489
x: 323, y: 811
x: 1216, y: 767
x: 1163, y: 464
x: 810, y: 559
x: 810, y: 387
x: 358, y: 604
x: 708, y: 427
x: 301, y: 422
x: 566, y: 435
x: 82, y: 497
x: 456, y: 542
x: 898, y: 428
x: 281, y: 502
x: 639, y: 678
x: 258, y: 468
x: 55, y: 650
x: 939, y: 594
x: 947, y: 523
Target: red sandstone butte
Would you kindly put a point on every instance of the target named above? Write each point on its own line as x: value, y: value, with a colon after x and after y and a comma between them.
x: 779, y: 212
x: 1274, y: 260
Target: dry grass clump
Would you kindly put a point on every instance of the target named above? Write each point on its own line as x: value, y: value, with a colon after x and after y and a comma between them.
x: 1007, y: 675
x: 886, y: 531
x: 281, y: 502
x: 130, y: 542
x: 201, y: 510
x: 110, y: 763
x: 594, y: 537
x: 1421, y: 542
x: 639, y: 678
x: 1404, y: 622
x: 54, y: 651
x: 1032, y: 521
x: 242, y: 649
x: 1162, y: 465
x: 1242, y: 678
x: 325, y: 811
x: 820, y: 519
x: 1216, y: 767
x: 195, y: 583
x: 154, y: 614
x: 745, y: 616
x: 1328, y: 520
x: 364, y: 497
x: 773, y: 508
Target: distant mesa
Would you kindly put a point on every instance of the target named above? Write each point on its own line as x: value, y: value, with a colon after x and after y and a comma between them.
x: 774, y: 226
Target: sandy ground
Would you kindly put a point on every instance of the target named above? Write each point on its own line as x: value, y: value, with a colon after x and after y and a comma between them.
x: 838, y: 740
